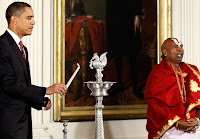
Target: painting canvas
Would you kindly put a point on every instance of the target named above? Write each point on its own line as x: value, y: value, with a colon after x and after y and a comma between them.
x: 128, y: 32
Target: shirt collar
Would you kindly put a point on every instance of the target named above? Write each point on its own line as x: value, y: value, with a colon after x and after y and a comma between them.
x: 15, y: 37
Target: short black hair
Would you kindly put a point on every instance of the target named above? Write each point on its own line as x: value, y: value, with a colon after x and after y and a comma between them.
x: 15, y: 8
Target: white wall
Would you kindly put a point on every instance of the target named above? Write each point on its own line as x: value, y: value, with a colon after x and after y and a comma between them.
x: 186, y: 27
x: 40, y: 52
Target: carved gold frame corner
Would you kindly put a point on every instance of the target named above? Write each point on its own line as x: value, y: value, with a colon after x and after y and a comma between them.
x: 87, y: 112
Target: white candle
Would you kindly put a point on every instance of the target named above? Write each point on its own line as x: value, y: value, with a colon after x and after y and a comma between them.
x: 72, y: 77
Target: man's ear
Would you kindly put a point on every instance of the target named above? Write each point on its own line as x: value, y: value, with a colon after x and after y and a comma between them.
x: 165, y: 52
x: 13, y: 20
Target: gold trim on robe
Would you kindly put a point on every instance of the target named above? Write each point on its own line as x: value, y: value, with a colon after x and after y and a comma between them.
x: 192, y: 105
x: 194, y: 86
x: 194, y: 71
x: 167, y: 126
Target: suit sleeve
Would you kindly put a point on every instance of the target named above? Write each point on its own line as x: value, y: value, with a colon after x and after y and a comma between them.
x: 14, y: 87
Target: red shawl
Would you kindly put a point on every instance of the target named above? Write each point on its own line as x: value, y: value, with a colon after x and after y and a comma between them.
x: 97, y: 31
x: 165, y: 106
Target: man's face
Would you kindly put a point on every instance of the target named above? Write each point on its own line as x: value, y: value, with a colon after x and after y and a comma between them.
x: 174, y: 52
x: 24, y: 23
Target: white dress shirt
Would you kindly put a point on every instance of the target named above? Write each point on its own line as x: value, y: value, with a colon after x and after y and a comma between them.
x: 16, y: 38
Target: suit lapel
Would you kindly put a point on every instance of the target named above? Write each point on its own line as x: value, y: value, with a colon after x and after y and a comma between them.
x: 18, y: 53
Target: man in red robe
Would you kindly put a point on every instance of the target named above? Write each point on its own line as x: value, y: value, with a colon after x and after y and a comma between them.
x: 173, y: 96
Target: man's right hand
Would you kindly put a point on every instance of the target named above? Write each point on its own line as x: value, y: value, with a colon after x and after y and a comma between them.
x: 187, y: 125
x: 59, y: 88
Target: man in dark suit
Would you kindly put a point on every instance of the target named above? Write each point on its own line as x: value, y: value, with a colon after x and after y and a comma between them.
x: 17, y: 94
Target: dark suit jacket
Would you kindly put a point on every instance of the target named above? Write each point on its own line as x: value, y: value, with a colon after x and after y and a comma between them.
x: 17, y: 94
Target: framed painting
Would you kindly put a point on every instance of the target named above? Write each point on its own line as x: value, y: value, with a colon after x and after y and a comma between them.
x: 131, y: 32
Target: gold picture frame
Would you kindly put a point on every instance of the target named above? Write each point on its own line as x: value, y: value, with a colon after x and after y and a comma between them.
x: 61, y: 112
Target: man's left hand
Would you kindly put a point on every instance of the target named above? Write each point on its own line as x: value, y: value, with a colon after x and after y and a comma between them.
x: 48, y: 106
